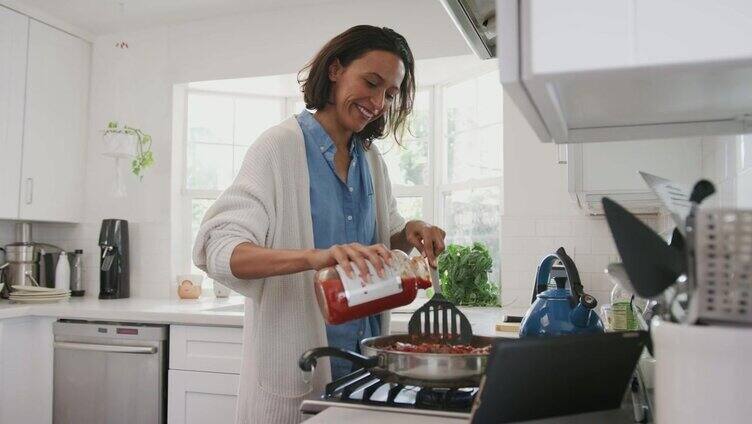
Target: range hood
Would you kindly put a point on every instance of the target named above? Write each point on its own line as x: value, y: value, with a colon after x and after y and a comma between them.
x: 594, y: 70
x: 476, y: 20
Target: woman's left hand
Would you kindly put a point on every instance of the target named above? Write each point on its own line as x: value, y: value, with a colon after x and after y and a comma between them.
x: 428, y: 239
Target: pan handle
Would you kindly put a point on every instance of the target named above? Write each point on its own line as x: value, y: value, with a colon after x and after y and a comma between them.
x: 308, y: 361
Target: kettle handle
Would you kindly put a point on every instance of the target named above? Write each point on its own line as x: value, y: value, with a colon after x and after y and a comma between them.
x: 572, y: 274
x: 544, y: 274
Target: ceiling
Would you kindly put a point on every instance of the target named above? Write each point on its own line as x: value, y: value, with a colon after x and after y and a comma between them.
x: 99, y: 17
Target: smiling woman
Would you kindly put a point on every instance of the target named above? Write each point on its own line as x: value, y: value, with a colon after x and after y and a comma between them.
x: 380, y: 83
x: 314, y: 192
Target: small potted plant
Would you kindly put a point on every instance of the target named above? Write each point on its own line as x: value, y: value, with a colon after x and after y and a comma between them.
x: 464, y: 273
x: 123, y: 141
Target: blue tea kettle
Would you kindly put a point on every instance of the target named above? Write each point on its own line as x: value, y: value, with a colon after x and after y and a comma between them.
x: 560, y: 310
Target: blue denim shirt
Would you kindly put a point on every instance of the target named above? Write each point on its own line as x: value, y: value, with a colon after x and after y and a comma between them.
x: 341, y: 213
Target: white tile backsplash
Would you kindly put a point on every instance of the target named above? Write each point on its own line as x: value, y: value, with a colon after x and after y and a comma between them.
x: 586, y: 239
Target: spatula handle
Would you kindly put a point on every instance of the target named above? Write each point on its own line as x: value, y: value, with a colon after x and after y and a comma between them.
x: 435, y: 280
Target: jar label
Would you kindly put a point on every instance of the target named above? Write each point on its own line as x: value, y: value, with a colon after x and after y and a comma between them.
x: 357, y: 291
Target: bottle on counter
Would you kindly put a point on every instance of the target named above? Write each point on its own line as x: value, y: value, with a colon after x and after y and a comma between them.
x: 76, y: 278
x: 343, y: 299
x: 62, y: 272
x: 622, y: 312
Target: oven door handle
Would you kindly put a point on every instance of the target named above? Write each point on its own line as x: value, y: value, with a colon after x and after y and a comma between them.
x: 144, y: 350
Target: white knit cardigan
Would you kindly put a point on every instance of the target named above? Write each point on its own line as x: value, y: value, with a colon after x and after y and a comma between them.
x: 269, y: 205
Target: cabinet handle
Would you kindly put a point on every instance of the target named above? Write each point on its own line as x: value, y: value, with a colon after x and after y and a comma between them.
x: 29, y: 190
x: 106, y: 348
x: 562, y: 156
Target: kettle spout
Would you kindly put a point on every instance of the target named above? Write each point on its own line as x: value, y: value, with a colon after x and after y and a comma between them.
x: 580, y: 315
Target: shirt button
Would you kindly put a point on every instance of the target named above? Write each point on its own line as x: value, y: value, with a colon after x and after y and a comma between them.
x: 322, y: 148
x: 360, y: 334
x: 351, y: 189
x: 349, y: 217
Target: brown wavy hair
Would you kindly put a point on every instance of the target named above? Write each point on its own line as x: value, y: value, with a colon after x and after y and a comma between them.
x: 347, y: 47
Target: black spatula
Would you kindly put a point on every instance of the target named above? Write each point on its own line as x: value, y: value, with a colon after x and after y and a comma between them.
x: 651, y: 264
x: 440, y: 319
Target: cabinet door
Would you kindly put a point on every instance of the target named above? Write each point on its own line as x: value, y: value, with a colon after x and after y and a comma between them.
x: 52, y: 178
x: 26, y: 353
x: 201, y: 397
x: 214, y: 349
x: 14, y: 29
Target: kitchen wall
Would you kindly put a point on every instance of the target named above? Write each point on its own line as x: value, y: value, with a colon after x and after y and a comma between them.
x: 540, y: 216
x: 727, y: 162
x: 137, y: 87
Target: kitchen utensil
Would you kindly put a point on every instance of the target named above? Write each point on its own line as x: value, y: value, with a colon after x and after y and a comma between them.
x: 23, y: 264
x: 560, y: 310
x: 674, y: 196
x: 721, y: 282
x: 440, y: 318
x: 701, y: 191
x: 410, y: 368
x: 651, y: 264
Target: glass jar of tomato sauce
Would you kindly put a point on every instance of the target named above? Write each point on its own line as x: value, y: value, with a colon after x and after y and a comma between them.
x: 343, y: 299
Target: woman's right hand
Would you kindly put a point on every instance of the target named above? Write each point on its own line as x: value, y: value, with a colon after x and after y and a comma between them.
x: 353, y: 253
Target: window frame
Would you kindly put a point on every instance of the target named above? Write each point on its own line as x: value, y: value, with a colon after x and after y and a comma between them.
x: 188, y: 195
x: 433, y: 192
x: 443, y: 188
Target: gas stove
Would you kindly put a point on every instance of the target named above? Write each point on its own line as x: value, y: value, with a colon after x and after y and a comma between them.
x: 363, y: 390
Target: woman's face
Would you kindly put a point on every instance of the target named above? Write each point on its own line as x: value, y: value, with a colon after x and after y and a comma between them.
x: 365, y: 88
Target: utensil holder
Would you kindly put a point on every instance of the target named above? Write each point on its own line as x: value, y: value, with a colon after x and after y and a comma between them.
x: 702, y: 373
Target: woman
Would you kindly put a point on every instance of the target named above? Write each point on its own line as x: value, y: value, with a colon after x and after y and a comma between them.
x: 314, y: 192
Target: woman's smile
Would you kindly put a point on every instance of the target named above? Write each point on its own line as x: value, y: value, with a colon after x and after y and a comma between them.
x: 365, y: 113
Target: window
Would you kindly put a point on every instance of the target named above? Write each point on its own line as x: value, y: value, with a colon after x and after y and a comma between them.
x: 218, y: 132
x: 448, y: 169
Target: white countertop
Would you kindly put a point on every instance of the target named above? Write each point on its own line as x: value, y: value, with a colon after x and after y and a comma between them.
x: 482, y: 319
x: 201, y: 311
x: 358, y: 416
x: 211, y: 311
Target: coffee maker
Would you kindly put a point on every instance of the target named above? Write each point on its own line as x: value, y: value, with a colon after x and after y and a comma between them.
x: 114, y: 275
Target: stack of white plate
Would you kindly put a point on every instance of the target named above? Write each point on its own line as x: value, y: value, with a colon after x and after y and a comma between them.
x: 31, y: 294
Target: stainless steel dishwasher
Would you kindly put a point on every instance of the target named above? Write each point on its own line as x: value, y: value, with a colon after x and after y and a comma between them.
x: 109, y: 373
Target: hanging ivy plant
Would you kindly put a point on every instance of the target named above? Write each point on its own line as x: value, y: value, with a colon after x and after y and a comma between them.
x: 144, y: 157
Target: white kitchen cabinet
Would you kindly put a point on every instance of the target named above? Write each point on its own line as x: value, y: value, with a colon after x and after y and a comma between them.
x: 611, y: 169
x: 593, y: 70
x: 54, y: 140
x: 13, y: 42
x: 198, y: 348
x: 201, y: 397
x: 203, y: 377
x: 26, y: 354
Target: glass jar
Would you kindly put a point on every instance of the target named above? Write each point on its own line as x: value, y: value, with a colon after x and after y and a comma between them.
x: 343, y: 299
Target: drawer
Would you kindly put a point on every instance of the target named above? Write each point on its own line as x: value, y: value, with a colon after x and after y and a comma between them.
x: 201, y: 397
x: 214, y: 349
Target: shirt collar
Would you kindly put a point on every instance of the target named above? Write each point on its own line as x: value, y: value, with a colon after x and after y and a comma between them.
x: 319, y: 135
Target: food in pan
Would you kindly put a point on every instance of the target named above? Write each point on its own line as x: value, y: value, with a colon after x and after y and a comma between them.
x: 438, y: 348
